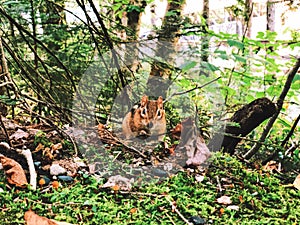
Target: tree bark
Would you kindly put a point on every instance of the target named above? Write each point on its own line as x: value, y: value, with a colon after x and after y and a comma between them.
x: 205, y: 39
x: 52, y: 17
x: 166, y: 48
x: 249, y: 13
x: 271, y: 15
x: 133, y: 24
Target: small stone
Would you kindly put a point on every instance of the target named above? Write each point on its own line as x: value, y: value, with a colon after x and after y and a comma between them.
x: 65, y: 178
x: 56, y: 169
x: 37, y: 163
x: 199, y: 178
x: 79, y: 162
x: 233, y: 207
x: 197, y: 220
x: 159, y: 173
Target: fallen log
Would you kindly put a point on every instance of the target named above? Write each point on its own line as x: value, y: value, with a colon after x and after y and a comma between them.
x: 242, y: 123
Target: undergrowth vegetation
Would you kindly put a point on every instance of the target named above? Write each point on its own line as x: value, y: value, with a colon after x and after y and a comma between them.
x: 61, y: 80
x: 258, y: 197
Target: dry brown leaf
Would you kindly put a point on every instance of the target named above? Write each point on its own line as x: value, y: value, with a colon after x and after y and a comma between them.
x: 33, y: 219
x: 176, y: 132
x: 270, y: 166
x: 39, y: 148
x: 297, y: 182
x: 122, y: 183
x: 14, y: 172
x: 199, y: 155
x: 56, y: 147
x: 190, y: 140
x: 19, y: 134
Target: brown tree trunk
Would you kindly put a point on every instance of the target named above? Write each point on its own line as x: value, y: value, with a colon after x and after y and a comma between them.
x: 205, y: 39
x: 51, y: 17
x: 166, y: 48
x: 133, y: 23
x: 249, y: 13
x: 271, y: 15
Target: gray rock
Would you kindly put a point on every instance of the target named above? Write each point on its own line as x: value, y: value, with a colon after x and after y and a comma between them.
x: 56, y: 170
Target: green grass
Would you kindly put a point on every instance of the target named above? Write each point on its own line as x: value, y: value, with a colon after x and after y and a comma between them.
x: 261, y: 197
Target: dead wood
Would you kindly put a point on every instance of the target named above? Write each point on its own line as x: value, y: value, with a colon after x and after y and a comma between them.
x: 242, y: 123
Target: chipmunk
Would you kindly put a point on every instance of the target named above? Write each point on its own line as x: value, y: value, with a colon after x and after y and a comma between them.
x: 146, y: 120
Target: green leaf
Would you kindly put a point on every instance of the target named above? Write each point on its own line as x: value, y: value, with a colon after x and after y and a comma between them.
x: 188, y: 65
x: 260, y: 94
x: 222, y: 54
x: 240, y: 58
x: 271, y: 35
x: 235, y: 43
x: 260, y: 35
x: 228, y: 91
x: 284, y: 123
x: 94, y: 208
x: 131, y: 8
x: 209, y: 66
x: 171, y: 13
x: 296, y: 78
x: 116, y: 7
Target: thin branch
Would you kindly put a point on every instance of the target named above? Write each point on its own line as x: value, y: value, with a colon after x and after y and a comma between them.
x: 283, y: 143
x: 5, y: 131
x: 6, y: 83
x: 280, y: 101
x: 110, y: 44
x: 23, y: 30
x: 174, y: 208
x: 289, y: 135
x: 190, y: 90
x: 33, y: 176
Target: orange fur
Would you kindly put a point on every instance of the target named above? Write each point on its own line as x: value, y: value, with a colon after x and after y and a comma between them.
x: 147, y: 119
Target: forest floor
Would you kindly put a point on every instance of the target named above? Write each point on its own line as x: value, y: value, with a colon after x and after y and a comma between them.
x: 227, y: 191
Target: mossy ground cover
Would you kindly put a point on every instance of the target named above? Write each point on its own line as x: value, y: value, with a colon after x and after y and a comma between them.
x: 258, y: 196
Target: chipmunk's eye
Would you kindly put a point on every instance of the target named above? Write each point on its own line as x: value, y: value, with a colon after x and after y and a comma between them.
x: 158, y: 113
x: 144, y: 112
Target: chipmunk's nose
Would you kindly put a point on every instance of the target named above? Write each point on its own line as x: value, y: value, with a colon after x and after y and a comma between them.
x: 150, y: 125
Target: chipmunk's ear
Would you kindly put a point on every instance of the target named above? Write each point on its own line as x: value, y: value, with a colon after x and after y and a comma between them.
x: 144, y: 100
x: 160, y: 101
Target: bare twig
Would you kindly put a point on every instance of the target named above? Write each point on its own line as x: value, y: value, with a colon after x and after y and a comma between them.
x: 291, y: 131
x: 109, y: 42
x: 128, y: 147
x: 174, y: 208
x: 6, y: 83
x: 5, y: 131
x: 33, y: 176
x: 219, y: 184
